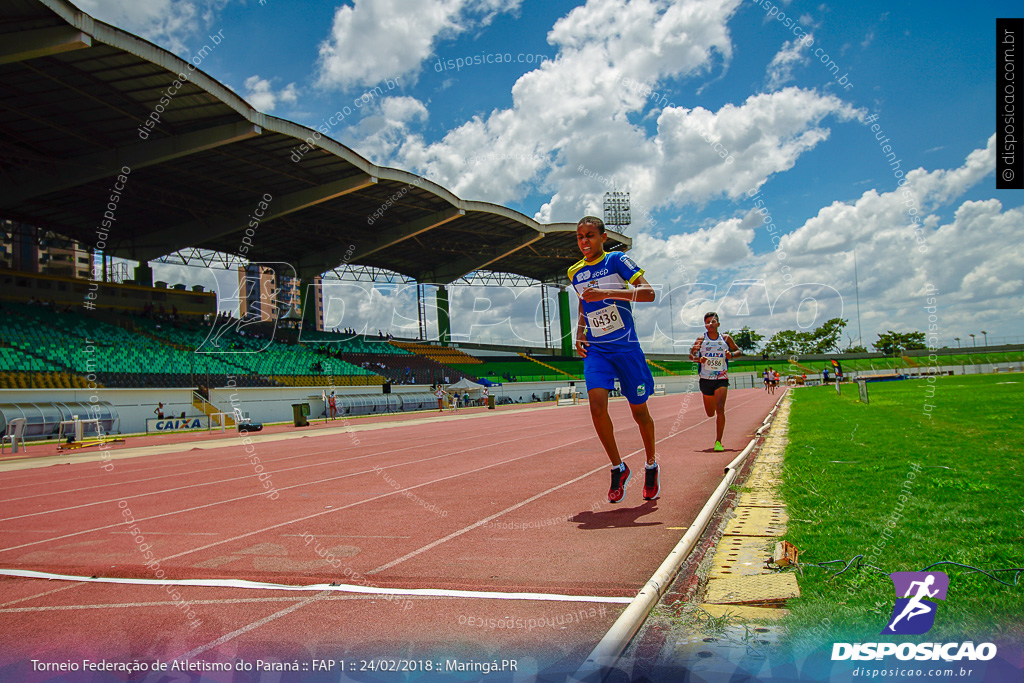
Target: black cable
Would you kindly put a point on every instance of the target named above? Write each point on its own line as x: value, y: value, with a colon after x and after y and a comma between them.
x: 1016, y: 579
x: 859, y: 564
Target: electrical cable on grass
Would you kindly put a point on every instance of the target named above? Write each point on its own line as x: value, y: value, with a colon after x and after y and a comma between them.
x: 848, y: 564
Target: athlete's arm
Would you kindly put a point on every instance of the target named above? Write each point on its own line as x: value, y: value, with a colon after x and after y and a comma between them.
x: 735, y: 350
x: 581, y: 334
x: 641, y: 291
x: 695, y: 349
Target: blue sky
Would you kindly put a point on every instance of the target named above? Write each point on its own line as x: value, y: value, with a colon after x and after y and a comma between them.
x: 734, y: 77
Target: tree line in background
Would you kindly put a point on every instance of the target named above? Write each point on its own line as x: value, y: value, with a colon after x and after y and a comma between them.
x: 824, y: 339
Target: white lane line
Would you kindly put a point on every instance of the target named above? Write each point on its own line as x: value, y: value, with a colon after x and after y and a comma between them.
x: 262, y: 493
x: 483, y: 521
x: 249, y: 627
x: 417, y: 441
x: 185, y: 448
x: 247, y: 475
x: 320, y: 587
x: 39, y: 595
x: 384, y: 495
x: 171, y: 603
x: 272, y: 617
x: 527, y: 501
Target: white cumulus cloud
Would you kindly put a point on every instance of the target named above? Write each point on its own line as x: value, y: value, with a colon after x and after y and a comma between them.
x: 371, y: 41
x: 259, y: 92
x: 173, y: 24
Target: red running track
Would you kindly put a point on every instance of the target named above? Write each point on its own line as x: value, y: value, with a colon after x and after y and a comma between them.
x: 512, y: 501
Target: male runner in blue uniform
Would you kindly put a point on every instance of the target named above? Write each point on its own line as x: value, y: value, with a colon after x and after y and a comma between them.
x: 607, y: 341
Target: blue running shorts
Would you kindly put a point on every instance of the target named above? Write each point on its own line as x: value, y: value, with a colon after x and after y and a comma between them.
x: 630, y: 367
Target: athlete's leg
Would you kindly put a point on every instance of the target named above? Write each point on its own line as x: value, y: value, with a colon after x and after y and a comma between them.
x: 603, y: 423
x: 709, y: 404
x: 719, y: 398
x: 645, y: 422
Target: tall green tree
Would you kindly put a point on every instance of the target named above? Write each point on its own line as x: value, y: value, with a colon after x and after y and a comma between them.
x: 821, y: 339
x: 785, y: 342
x: 906, y: 341
x: 826, y: 338
x: 747, y: 339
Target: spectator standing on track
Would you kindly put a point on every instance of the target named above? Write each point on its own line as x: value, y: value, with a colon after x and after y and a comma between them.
x: 713, y: 351
x: 159, y: 411
x: 608, y: 284
x: 440, y: 393
x: 332, y: 406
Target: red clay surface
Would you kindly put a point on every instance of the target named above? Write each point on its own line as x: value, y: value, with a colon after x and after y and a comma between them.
x: 118, y: 442
x: 506, y: 501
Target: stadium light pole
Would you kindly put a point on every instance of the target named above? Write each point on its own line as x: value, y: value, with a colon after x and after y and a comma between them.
x: 616, y: 209
x: 856, y: 289
x: 974, y: 343
x: 986, y: 337
x: 957, y: 340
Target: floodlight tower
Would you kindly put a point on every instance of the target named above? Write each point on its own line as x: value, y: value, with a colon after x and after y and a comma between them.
x: 616, y: 209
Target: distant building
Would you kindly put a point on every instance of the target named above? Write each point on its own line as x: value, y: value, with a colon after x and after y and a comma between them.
x: 317, y: 293
x: 29, y: 249
x: 263, y: 296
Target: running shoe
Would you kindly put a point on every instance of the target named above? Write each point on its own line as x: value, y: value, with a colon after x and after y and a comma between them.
x: 652, y: 482
x: 718, y: 446
x: 619, y: 481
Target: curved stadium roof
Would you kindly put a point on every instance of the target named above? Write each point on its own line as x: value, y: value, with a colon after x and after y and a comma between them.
x: 76, y: 92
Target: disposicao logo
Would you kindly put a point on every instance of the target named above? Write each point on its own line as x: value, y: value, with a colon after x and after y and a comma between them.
x: 912, y: 615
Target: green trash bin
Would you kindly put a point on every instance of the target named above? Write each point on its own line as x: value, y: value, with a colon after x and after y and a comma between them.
x: 490, y: 402
x: 299, y: 413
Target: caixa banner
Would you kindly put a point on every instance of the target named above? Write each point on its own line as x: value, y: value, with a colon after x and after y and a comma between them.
x: 176, y: 424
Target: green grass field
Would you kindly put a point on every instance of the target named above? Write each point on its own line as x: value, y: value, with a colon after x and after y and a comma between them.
x: 532, y: 372
x: 752, y: 364
x: 846, y: 468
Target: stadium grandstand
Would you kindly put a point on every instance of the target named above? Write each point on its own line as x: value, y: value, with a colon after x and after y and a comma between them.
x: 78, y: 90
x: 83, y: 313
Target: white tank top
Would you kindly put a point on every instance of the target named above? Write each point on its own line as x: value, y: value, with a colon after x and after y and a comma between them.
x: 717, y: 365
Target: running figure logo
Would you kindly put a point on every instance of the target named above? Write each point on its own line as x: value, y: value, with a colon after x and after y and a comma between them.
x: 913, y: 614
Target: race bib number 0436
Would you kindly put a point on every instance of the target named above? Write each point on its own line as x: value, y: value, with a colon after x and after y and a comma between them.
x: 605, y: 320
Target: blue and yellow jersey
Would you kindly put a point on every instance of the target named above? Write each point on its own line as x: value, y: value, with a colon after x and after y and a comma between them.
x: 609, y: 321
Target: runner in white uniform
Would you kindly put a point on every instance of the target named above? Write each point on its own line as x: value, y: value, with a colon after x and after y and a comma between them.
x: 713, y: 351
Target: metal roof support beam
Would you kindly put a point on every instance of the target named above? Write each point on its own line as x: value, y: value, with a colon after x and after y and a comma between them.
x: 406, y: 231
x: 303, y: 199
x: 107, y: 164
x: 469, y: 264
x: 19, y: 47
x: 196, y: 232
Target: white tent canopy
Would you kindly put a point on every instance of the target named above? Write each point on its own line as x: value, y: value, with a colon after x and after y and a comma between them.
x: 464, y: 386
